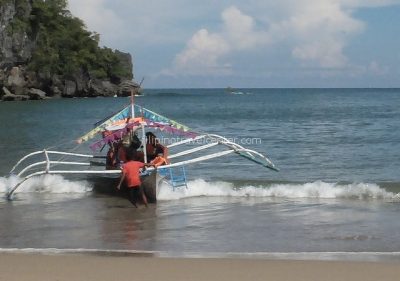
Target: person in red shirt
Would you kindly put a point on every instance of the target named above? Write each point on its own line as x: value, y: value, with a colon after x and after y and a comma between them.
x: 131, y: 175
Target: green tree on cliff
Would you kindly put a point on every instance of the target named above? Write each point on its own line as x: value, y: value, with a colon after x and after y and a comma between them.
x: 65, y: 47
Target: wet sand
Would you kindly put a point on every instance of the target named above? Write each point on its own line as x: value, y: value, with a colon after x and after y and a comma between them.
x: 38, y: 267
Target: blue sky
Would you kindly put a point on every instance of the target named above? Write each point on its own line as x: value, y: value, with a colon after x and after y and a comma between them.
x: 253, y: 43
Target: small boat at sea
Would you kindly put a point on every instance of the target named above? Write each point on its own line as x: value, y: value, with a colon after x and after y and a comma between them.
x: 233, y: 91
x: 133, y: 122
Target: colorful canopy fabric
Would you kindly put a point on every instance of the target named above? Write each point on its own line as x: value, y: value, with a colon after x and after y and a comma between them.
x: 124, y: 113
x: 145, y: 113
x: 119, y: 134
x: 150, y: 115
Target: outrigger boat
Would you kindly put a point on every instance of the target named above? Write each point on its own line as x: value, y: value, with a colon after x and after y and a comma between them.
x: 135, y: 120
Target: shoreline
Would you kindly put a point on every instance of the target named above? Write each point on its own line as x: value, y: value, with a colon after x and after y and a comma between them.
x: 282, y: 256
x: 35, y: 267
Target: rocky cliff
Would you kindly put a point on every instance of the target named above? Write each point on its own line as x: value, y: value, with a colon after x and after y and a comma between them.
x: 46, y: 52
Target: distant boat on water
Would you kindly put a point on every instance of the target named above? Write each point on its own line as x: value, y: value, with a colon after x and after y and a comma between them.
x: 233, y: 91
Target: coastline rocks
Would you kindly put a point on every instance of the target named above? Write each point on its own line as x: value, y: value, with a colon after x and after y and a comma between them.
x: 15, y: 44
x: 14, y: 98
x: 5, y: 91
x: 32, y: 94
x: 19, y: 84
x: 126, y: 87
x: 69, y: 89
x: 16, y: 79
x: 22, y: 78
x: 16, y: 82
x: 9, y: 96
x: 36, y: 94
x: 102, y: 88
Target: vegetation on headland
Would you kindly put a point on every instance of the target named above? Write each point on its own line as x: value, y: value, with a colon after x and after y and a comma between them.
x: 47, y: 52
x: 63, y: 45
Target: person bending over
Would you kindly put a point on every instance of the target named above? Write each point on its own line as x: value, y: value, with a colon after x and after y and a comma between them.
x: 131, y: 176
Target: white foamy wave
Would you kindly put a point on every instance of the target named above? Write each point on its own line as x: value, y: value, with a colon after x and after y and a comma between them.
x: 318, y: 189
x: 7, y: 183
x: 196, y: 188
x: 45, y: 184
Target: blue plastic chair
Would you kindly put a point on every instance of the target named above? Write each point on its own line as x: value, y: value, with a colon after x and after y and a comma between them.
x: 176, y: 176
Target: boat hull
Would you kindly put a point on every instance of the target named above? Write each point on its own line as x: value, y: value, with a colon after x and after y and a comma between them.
x: 150, y: 187
x: 107, y: 185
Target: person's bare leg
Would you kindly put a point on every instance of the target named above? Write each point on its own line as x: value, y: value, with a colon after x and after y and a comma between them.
x: 144, y: 198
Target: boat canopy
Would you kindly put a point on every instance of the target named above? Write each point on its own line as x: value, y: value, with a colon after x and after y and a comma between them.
x: 149, y: 117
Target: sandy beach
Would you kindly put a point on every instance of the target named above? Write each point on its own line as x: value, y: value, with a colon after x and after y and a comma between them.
x: 38, y: 267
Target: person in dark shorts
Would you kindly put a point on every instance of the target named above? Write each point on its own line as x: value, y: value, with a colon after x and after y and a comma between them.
x: 131, y: 176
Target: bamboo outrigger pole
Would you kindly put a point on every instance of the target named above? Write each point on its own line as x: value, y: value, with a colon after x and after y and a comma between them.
x: 142, y: 125
x: 132, y: 105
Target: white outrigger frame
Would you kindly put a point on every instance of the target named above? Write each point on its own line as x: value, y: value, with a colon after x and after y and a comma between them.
x: 215, y: 140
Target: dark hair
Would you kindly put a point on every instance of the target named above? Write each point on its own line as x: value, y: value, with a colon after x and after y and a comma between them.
x: 131, y: 155
x: 151, y: 138
x: 159, y: 150
x: 150, y: 134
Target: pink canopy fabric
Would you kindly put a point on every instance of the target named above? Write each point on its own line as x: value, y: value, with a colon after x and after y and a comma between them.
x: 119, y: 134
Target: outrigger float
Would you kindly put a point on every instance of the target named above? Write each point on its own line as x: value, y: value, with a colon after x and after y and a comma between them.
x: 135, y: 120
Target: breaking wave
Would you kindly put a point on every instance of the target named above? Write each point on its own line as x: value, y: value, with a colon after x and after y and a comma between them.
x: 45, y: 184
x: 318, y: 189
x: 56, y: 184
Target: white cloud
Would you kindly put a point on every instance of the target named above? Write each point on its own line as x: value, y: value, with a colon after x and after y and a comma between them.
x: 97, y: 17
x: 142, y: 22
x: 202, y: 51
x: 372, y: 69
x: 205, y: 50
x: 367, y: 3
x: 317, y: 32
x: 376, y: 69
x: 209, y: 37
x: 320, y: 32
x: 240, y: 30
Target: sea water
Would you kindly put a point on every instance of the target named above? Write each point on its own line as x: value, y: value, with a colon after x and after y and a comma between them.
x: 337, y: 191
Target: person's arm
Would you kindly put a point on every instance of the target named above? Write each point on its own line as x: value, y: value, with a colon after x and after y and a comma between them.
x: 165, y: 154
x: 148, y: 165
x: 121, y: 180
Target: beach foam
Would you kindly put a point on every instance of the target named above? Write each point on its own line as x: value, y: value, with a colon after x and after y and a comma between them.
x: 318, y: 189
x: 45, y: 184
x: 361, y: 191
